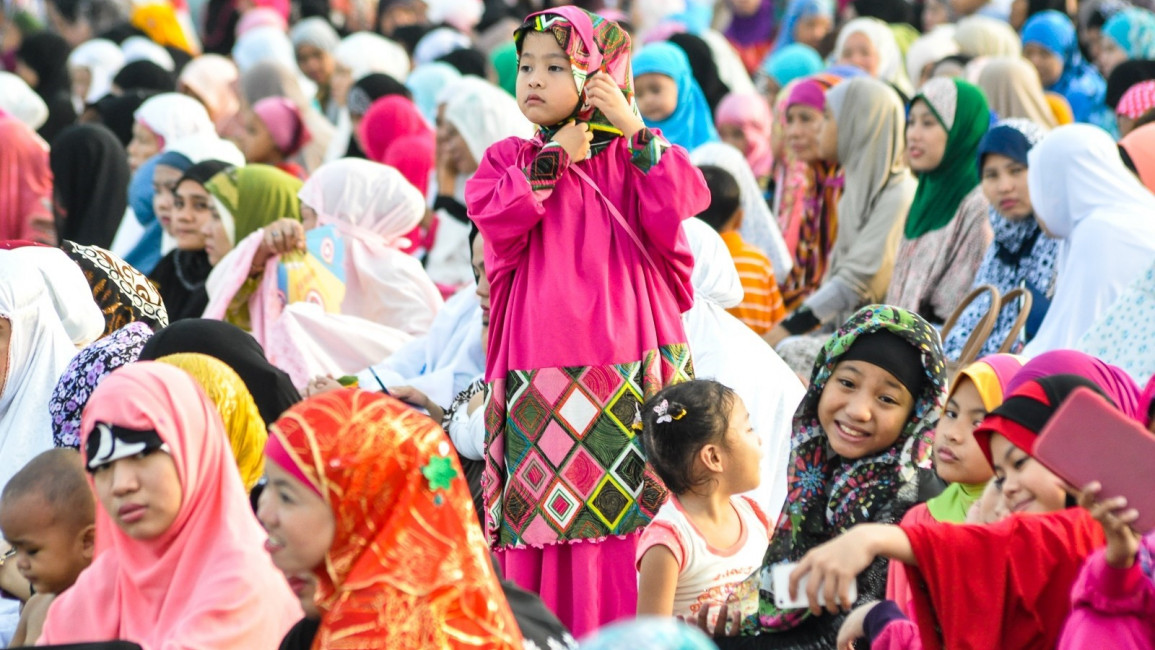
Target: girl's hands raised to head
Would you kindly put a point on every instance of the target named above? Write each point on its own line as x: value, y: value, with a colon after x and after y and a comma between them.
x: 575, y: 138
x: 603, y: 94
x: 1116, y: 519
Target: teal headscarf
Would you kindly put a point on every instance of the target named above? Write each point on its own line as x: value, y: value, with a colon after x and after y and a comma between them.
x: 1134, y: 30
x: 791, y: 62
x: 504, y: 62
x: 961, y: 109
x: 691, y: 124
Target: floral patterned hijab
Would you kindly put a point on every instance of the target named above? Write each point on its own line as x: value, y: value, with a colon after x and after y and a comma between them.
x: 827, y: 494
x: 408, y: 566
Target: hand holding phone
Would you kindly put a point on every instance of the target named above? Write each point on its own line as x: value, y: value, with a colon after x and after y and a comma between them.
x: 780, y: 586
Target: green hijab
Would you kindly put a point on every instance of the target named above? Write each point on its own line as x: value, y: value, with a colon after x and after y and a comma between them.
x: 256, y: 196
x: 504, y: 62
x: 961, y: 109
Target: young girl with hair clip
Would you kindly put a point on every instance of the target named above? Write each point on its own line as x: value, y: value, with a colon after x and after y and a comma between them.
x: 706, y: 539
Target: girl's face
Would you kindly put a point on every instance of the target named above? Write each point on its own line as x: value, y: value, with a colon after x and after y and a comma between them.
x: 217, y: 243
x: 859, y: 52
x: 742, y: 451
x: 316, y: 64
x: 934, y: 13
x: 812, y: 30
x: 957, y: 455
x: 925, y: 139
x: 1110, y: 55
x: 192, y: 210
x: 828, y: 138
x: 1027, y: 486
x: 657, y: 96
x: 733, y: 135
x: 141, y: 493
x: 546, y: 91
x: 803, y: 126
x: 863, y: 409
x: 144, y: 145
x: 256, y: 142
x: 1005, y: 186
x: 81, y: 80
x: 164, y: 180
x: 300, y: 524
x: 1049, y: 66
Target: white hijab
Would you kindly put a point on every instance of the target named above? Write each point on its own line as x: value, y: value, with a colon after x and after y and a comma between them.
x: 985, y: 36
x: 103, y: 59
x: 728, y: 351
x: 199, y: 148
x: 21, y: 102
x: 173, y: 116
x: 483, y: 114
x: 929, y: 48
x: 139, y: 48
x: 374, y: 207
x: 264, y: 44
x: 70, y: 293
x: 38, y: 352
x: 759, y: 228
x: 890, y: 63
x: 1085, y: 196
x: 365, y: 53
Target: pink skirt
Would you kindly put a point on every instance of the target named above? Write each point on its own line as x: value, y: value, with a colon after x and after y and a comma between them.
x: 587, y: 584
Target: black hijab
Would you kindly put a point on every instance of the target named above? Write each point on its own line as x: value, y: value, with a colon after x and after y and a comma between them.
x: 703, y: 67
x: 367, y: 90
x: 144, y: 75
x: 117, y: 112
x: 1125, y: 75
x: 468, y: 61
x: 272, y: 389
x: 46, y: 53
x: 90, y: 188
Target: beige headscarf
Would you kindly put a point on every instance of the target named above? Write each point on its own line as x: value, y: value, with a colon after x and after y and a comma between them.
x: 879, y: 187
x: 1013, y: 89
x: 985, y: 36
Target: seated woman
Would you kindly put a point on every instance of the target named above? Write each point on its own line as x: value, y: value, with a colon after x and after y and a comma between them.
x: 365, y: 494
x: 167, y: 490
x: 1050, y: 44
x: 946, y: 231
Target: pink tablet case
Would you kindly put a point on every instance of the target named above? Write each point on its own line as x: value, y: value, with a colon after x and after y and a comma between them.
x: 1087, y: 440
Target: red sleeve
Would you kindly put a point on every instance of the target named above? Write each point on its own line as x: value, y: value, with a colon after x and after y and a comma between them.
x: 661, y: 533
x: 759, y: 514
x: 1015, y: 577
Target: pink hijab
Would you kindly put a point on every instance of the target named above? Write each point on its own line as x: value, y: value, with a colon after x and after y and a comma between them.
x: 393, y: 132
x: 1116, y: 383
x: 749, y: 112
x: 25, y: 184
x: 225, y: 591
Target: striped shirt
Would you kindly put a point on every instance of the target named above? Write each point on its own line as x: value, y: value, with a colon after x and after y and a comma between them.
x: 761, y: 308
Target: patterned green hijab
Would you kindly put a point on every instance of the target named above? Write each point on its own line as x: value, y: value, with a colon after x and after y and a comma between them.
x: 962, y: 110
x: 256, y: 196
x: 828, y: 494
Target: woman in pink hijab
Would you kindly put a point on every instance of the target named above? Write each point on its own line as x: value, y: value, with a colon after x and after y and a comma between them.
x: 25, y: 185
x: 744, y: 120
x: 182, y: 564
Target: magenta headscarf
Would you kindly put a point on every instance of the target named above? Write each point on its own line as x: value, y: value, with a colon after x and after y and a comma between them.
x: 749, y: 112
x: 1115, y: 383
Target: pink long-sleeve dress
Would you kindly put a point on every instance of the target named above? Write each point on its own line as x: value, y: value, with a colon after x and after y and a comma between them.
x: 583, y: 328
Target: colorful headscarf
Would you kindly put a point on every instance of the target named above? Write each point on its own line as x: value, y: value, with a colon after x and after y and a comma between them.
x: 504, y: 62
x: 255, y: 196
x: 85, y: 372
x: 751, y: 113
x: 159, y: 21
x: 593, y: 44
x: 1019, y: 254
x: 961, y: 109
x: 690, y: 125
x: 796, y: 11
x: 791, y: 62
x: 827, y: 494
x: 1138, y: 99
x: 1134, y: 30
x: 991, y: 377
x: 231, y: 594
x: 406, y: 531
x: 1113, y: 381
x: 123, y: 293
x: 243, y: 424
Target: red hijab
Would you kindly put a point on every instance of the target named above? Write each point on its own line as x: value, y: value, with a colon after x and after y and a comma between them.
x: 25, y: 184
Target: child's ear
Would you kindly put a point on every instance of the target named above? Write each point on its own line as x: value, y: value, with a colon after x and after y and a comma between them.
x: 88, y: 542
x: 711, y: 458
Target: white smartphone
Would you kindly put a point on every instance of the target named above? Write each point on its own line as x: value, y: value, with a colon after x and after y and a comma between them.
x: 780, y: 586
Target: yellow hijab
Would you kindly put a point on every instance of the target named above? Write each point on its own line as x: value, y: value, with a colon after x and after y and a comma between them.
x: 243, y: 423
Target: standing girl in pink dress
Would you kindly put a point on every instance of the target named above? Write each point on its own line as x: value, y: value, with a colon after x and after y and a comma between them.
x: 589, y: 274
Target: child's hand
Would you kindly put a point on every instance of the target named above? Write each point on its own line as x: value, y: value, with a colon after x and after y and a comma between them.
x: 833, y: 567
x: 320, y: 385
x: 728, y: 623
x: 575, y: 138
x: 853, y: 628
x: 603, y: 94
x: 1122, y: 541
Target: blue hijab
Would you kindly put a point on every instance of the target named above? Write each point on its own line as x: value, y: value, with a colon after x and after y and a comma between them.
x: 798, y: 10
x: 691, y: 124
x: 145, y: 254
x: 1134, y: 30
x: 791, y: 62
x: 1081, y: 84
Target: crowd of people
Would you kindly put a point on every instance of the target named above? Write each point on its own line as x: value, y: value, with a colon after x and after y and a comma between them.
x: 342, y: 324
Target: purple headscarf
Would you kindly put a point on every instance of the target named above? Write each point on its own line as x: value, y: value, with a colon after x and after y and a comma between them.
x: 1115, y: 383
x: 753, y: 29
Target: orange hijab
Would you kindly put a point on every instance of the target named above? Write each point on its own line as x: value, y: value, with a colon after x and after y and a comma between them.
x: 408, y: 567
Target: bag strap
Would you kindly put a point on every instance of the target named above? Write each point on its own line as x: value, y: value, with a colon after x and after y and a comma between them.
x: 616, y: 215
